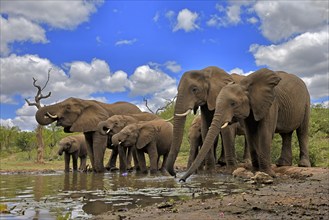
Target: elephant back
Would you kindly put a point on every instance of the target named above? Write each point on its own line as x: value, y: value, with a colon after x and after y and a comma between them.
x: 121, y: 108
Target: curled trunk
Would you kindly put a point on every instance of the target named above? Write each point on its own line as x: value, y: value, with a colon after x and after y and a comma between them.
x: 103, y: 128
x: 42, y: 116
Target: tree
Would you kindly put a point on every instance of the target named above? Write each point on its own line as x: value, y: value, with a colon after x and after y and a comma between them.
x: 39, y: 130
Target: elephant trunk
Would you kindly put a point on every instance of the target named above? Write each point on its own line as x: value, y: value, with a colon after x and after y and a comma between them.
x: 103, y: 127
x: 60, y: 151
x: 212, y: 134
x: 44, y: 116
x: 178, y: 130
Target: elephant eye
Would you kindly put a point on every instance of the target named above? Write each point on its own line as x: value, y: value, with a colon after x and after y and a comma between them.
x: 194, y: 90
x: 233, y: 104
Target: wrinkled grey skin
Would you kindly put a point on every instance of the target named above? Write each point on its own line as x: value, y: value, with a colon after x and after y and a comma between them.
x: 79, y: 115
x: 266, y: 102
x: 152, y: 137
x: 195, y: 140
x: 199, y: 88
x: 114, y: 125
x: 74, y: 146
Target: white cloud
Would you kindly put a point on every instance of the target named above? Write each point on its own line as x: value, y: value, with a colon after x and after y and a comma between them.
x: 306, y: 54
x: 186, y: 20
x: 282, y: 19
x: 125, y: 42
x: 19, y: 29
x: 173, y: 66
x: 22, y: 23
x: 146, y: 81
x: 239, y: 71
x: 80, y: 79
x: 57, y: 14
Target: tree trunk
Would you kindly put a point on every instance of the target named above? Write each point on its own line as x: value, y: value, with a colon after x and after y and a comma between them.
x: 41, y: 145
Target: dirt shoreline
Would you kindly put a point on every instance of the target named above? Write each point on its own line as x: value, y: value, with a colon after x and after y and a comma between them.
x: 297, y: 193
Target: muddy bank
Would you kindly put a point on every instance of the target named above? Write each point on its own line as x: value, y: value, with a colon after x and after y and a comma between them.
x: 297, y: 193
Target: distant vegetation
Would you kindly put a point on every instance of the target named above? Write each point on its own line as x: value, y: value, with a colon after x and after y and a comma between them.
x: 21, y: 145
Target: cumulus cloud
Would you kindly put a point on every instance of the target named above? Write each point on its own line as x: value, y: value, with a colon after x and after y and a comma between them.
x: 282, y: 19
x: 22, y: 23
x: 78, y: 79
x: 186, y: 20
x: 146, y: 81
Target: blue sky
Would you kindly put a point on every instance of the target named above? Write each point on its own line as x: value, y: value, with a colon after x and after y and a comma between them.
x: 128, y: 50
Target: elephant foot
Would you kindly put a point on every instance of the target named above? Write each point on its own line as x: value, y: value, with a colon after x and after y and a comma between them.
x: 304, y: 163
x: 269, y: 172
x: 283, y: 162
x: 221, y: 162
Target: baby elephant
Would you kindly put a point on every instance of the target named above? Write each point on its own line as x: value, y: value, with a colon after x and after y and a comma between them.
x: 151, y: 137
x: 75, y: 146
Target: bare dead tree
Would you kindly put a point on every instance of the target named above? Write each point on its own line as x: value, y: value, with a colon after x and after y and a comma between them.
x: 39, y: 130
x: 168, y: 103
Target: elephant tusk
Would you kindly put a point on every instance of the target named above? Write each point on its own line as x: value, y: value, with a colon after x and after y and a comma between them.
x: 170, y: 119
x: 52, y: 116
x: 108, y: 131
x: 225, y: 125
x: 120, y: 142
x: 184, y: 114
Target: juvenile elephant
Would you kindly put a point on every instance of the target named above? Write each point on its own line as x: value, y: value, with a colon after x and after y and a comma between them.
x: 116, y: 123
x: 195, y: 139
x: 74, y: 146
x: 266, y: 102
x: 79, y: 115
x: 151, y: 137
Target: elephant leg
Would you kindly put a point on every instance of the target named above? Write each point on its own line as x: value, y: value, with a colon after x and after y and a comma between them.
x: 302, y: 134
x: 153, y: 155
x: 194, y: 145
x: 123, y: 158
x: 89, y: 142
x: 221, y: 159
x: 286, y: 151
x: 163, y: 168
x: 134, y: 153
x: 83, y: 163
x: 141, y: 161
x: 246, y: 153
x: 265, y: 137
x: 129, y: 158
x: 67, y: 158
x: 228, y: 135
x: 99, y: 147
x: 75, y: 162
x: 111, y: 164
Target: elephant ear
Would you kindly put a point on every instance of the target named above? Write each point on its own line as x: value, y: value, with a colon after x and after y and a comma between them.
x: 260, y: 89
x: 216, y: 79
x: 147, y: 134
x: 91, y: 114
x: 74, y: 145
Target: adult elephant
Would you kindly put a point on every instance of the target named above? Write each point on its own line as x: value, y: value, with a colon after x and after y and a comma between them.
x: 115, y: 124
x: 199, y: 88
x: 74, y: 146
x: 79, y: 115
x: 266, y: 102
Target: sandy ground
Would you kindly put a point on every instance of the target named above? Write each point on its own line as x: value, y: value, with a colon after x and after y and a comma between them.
x: 297, y: 193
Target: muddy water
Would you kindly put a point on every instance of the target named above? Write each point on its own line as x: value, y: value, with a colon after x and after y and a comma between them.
x: 83, y: 195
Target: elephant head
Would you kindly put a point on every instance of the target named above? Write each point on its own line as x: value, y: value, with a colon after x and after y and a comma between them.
x: 75, y: 115
x: 113, y: 124
x: 252, y: 97
x: 69, y: 145
x: 196, y: 88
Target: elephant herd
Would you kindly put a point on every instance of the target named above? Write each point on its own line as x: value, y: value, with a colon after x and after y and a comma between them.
x: 257, y: 106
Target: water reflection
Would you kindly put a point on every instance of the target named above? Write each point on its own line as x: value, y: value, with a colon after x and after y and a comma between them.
x: 40, y: 196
